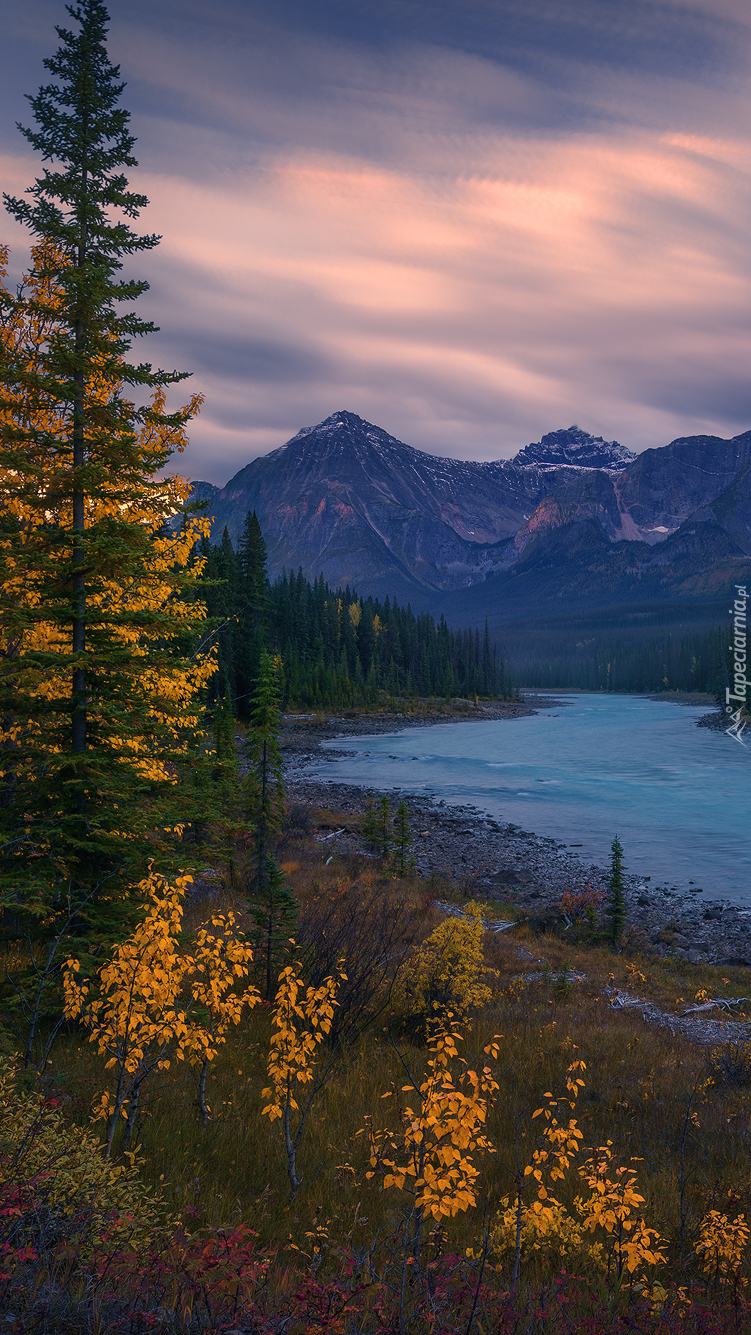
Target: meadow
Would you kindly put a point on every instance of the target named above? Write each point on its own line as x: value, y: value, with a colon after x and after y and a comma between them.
x: 674, y: 1113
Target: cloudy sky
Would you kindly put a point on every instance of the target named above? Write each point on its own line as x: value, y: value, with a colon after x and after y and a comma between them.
x: 469, y: 221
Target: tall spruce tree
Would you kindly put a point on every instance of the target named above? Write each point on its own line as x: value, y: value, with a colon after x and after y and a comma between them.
x: 275, y: 914
x: 264, y: 782
x: 99, y: 698
x: 616, y: 910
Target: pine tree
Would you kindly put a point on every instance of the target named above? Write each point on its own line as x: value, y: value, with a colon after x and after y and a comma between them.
x: 616, y: 912
x: 225, y: 769
x: 384, y: 827
x: 98, y: 698
x: 253, y: 610
x: 370, y: 828
x: 264, y: 784
x: 275, y: 913
x: 403, y: 862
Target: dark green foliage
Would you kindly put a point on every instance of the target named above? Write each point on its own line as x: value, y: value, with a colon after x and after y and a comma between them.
x: 616, y: 910
x: 274, y: 911
x: 402, y: 859
x: 370, y: 827
x: 638, y: 649
x: 252, y: 604
x: 338, y: 649
x: 225, y: 769
x: 77, y: 813
x: 389, y: 838
x: 264, y: 783
x: 383, y: 827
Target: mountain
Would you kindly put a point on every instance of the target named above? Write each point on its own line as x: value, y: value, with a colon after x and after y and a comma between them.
x: 348, y: 500
x: 650, y: 498
x: 574, y: 448
x: 573, y: 521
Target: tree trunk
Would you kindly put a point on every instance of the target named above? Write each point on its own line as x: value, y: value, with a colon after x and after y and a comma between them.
x: 78, y: 722
x: 78, y: 719
x: 202, y: 1104
x: 294, y: 1181
x: 130, y: 1130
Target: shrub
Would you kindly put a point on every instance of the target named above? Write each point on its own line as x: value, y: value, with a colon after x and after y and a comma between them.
x: 57, y: 1185
x: 448, y: 972
x: 372, y: 932
x: 730, y: 1064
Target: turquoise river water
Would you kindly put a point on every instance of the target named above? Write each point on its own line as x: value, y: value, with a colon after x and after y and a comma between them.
x: 678, y: 796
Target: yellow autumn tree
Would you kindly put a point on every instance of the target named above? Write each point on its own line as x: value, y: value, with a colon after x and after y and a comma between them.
x: 605, y: 1231
x: 154, y: 1002
x: 448, y: 971
x: 77, y: 833
x: 302, y: 1018
x: 431, y: 1155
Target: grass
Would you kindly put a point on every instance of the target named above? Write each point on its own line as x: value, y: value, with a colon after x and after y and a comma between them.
x: 639, y: 1083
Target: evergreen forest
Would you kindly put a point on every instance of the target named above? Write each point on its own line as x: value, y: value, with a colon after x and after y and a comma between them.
x: 338, y: 649
x: 633, y: 650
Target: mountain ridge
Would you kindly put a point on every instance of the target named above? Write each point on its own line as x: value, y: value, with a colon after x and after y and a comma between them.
x: 350, y: 501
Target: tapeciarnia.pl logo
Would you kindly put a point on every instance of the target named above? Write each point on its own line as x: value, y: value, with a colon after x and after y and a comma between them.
x: 739, y: 693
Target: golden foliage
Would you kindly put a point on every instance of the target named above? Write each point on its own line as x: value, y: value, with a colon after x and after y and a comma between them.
x: 145, y: 1012
x: 135, y: 595
x: 607, y: 1229
x: 63, y: 1167
x: 721, y: 1245
x: 301, y: 1021
x: 431, y: 1155
x: 448, y: 972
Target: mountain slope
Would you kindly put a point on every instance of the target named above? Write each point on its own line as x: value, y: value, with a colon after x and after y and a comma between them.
x: 346, y: 499
x: 572, y: 521
x: 651, y: 497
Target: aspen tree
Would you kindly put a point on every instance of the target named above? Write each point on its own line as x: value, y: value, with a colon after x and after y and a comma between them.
x: 144, y: 1012
x: 431, y: 1155
x: 302, y: 1018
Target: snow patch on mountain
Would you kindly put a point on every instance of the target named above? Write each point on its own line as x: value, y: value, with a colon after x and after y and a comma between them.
x: 574, y: 448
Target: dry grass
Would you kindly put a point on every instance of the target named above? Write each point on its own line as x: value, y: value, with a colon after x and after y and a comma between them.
x: 638, y: 1085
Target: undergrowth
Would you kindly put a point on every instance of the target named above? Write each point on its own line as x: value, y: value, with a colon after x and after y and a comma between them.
x: 215, y: 1241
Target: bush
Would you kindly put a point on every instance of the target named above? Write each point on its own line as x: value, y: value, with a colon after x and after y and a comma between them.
x: 448, y: 972
x: 730, y: 1064
x: 57, y: 1186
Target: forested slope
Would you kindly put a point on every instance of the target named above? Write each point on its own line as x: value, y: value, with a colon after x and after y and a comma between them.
x: 337, y: 648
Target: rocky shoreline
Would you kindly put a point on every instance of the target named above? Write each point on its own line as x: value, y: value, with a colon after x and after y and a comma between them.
x: 496, y: 860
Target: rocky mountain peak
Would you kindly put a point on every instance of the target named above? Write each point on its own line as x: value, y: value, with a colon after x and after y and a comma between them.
x: 344, y: 425
x: 574, y: 448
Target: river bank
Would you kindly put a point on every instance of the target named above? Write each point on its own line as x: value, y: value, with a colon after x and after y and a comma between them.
x: 500, y: 861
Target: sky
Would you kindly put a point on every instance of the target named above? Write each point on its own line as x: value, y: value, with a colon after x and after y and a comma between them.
x: 468, y: 221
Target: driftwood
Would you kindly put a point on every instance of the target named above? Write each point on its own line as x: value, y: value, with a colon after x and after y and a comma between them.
x: 726, y: 1002
x: 693, y: 1023
x: 490, y: 925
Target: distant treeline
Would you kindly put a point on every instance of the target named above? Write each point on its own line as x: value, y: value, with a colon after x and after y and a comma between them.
x: 337, y: 649
x: 603, y: 662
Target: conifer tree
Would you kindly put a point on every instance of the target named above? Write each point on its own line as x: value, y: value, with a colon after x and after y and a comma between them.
x: 264, y: 783
x: 253, y: 599
x: 97, y: 705
x: 275, y: 914
x: 616, y: 912
x: 225, y: 771
x: 376, y: 826
x: 403, y: 862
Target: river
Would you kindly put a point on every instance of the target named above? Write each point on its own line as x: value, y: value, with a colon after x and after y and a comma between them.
x: 595, y: 766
